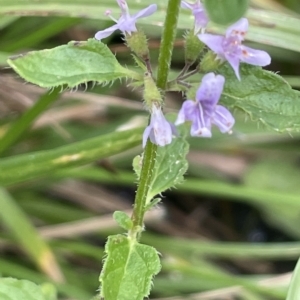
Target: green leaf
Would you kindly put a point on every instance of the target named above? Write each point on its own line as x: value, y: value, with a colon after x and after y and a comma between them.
x: 152, y: 204
x: 15, y: 269
x: 71, y: 64
x: 32, y: 165
x: 225, y: 12
x: 264, y: 95
x: 137, y: 165
x: 294, y: 288
x: 123, y: 220
x: 13, y: 289
x: 128, y: 269
x: 49, y: 291
x: 170, y: 167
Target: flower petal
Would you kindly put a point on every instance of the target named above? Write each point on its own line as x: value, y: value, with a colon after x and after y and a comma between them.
x: 255, y: 57
x: 210, y: 91
x: 161, y: 127
x: 173, y: 129
x: 163, y: 135
x: 201, y: 122
x: 201, y: 19
x: 238, y: 29
x: 186, y: 113
x: 106, y: 32
x: 199, y: 131
x: 214, y: 42
x: 146, y: 135
x: 186, y: 5
x: 124, y: 7
x: 151, y: 9
x: 127, y: 24
x: 159, y: 130
x: 223, y: 119
x: 234, y: 61
x: 152, y: 137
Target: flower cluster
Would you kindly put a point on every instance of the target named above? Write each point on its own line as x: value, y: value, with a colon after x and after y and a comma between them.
x: 204, y: 111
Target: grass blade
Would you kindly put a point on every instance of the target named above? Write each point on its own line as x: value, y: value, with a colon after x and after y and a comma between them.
x: 32, y: 165
x: 294, y: 289
x: 27, y: 236
x: 22, y: 124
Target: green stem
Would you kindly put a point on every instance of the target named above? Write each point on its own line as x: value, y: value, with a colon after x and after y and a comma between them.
x: 144, y: 184
x: 164, y: 62
x: 166, y: 47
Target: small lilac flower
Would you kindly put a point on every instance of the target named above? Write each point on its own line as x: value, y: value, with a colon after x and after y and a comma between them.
x: 204, y: 111
x: 201, y: 18
x: 160, y: 131
x: 230, y: 48
x: 126, y: 23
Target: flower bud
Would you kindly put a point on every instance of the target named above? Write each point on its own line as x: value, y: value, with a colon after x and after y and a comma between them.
x: 151, y: 92
x: 137, y: 42
x: 193, y: 47
x: 210, y: 62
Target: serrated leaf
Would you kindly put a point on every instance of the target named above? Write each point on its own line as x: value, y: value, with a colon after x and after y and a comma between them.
x: 71, y: 64
x: 13, y: 289
x: 225, y: 12
x: 170, y: 167
x: 128, y: 269
x: 123, y: 220
x: 264, y: 95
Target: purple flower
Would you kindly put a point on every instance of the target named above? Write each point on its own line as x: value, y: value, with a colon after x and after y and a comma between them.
x: 204, y: 111
x: 160, y: 131
x: 126, y: 23
x: 199, y: 13
x: 230, y: 48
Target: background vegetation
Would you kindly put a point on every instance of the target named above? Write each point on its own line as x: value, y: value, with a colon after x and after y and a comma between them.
x: 230, y: 231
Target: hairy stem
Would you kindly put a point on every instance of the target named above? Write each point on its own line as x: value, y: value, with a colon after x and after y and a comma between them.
x: 142, y: 191
x: 164, y: 61
x: 166, y: 47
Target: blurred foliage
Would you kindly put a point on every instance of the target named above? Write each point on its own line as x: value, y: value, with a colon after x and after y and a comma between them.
x: 231, y: 229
